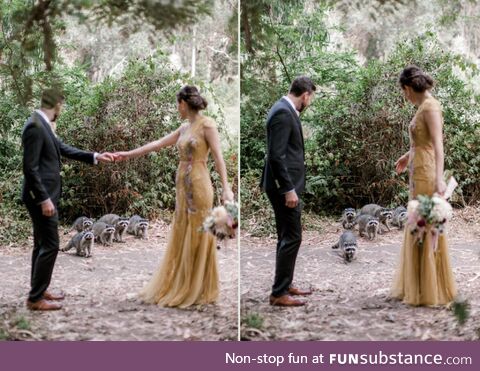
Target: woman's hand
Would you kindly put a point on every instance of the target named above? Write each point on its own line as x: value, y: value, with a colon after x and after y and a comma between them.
x: 227, y: 195
x: 105, y: 157
x: 440, y: 187
x: 402, y: 163
x: 121, y: 156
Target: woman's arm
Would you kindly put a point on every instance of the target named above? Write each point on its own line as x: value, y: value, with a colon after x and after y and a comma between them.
x: 402, y: 163
x: 213, y: 140
x: 434, y: 124
x: 166, y: 141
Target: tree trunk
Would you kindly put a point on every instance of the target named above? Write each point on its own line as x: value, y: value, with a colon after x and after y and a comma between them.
x: 246, y: 29
x: 194, y: 51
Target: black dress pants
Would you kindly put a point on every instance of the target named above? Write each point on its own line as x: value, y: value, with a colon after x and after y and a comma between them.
x: 45, y: 250
x: 289, y: 235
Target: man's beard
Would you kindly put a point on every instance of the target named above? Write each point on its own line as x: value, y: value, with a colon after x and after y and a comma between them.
x: 55, y: 117
x: 302, y: 107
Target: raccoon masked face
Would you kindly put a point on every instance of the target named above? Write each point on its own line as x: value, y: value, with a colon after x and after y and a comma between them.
x: 110, y: 229
x: 386, y: 214
x: 372, y: 223
x: 88, y: 236
x: 350, y: 214
x: 123, y: 223
x: 349, y: 254
x: 87, y: 224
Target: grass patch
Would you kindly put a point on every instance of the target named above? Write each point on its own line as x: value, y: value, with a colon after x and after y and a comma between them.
x: 461, y: 310
x: 253, y: 320
x: 3, y: 335
x: 22, y: 323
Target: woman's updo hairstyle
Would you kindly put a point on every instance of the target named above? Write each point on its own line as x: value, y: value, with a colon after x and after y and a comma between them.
x: 414, y: 77
x: 192, y: 97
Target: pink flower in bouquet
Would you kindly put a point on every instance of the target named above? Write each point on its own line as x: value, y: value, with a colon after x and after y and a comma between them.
x: 412, y: 212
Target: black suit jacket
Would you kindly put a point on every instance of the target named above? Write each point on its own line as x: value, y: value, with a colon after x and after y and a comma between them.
x: 42, y: 152
x: 284, y: 168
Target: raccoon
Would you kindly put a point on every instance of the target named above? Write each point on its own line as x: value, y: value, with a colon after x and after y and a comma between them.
x: 119, y: 223
x: 83, y: 243
x: 138, y: 226
x: 81, y: 224
x: 399, y: 217
x: 103, y: 233
x: 348, y: 218
x: 383, y: 214
x: 368, y: 224
x: 347, y: 245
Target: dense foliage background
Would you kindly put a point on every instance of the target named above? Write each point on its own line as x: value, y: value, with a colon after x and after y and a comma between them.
x: 357, y: 126
x: 120, y: 77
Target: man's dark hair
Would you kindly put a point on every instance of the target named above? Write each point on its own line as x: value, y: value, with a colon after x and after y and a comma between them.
x: 301, y: 85
x: 51, y: 97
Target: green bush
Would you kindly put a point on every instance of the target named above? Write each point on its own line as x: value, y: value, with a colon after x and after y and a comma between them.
x: 117, y: 114
x: 357, y: 126
x: 359, y: 132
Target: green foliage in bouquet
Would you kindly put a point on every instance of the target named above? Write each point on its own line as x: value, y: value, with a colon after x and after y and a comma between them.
x: 232, y: 210
x: 425, y: 207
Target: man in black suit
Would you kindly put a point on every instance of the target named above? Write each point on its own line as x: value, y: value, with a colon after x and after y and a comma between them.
x: 42, y: 190
x: 283, y: 179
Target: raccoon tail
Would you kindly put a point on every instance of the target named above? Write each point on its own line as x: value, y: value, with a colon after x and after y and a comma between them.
x: 68, y: 247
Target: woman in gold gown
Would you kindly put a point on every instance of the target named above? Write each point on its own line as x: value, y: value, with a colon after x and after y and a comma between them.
x: 188, y: 273
x: 424, y: 275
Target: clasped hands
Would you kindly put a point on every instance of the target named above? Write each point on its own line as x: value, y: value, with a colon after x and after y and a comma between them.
x: 112, y: 157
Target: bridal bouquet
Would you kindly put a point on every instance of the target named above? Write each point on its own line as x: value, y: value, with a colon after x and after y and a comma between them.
x: 432, y: 212
x: 222, y: 221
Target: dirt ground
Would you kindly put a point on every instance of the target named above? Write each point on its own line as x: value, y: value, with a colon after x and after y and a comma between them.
x: 350, y: 301
x: 101, y: 302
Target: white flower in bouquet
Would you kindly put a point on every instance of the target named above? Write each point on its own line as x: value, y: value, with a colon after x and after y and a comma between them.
x: 431, y: 212
x: 442, y: 210
x: 222, y: 221
x: 209, y: 223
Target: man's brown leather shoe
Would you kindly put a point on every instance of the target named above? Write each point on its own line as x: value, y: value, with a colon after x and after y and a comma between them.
x: 53, y: 296
x: 43, y: 304
x: 285, y: 301
x: 295, y: 291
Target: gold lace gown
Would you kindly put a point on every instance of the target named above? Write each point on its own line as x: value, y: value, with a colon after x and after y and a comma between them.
x: 188, y: 273
x: 424, y: 276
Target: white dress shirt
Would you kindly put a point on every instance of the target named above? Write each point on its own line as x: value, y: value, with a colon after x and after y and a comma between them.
x: 291, y: 103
